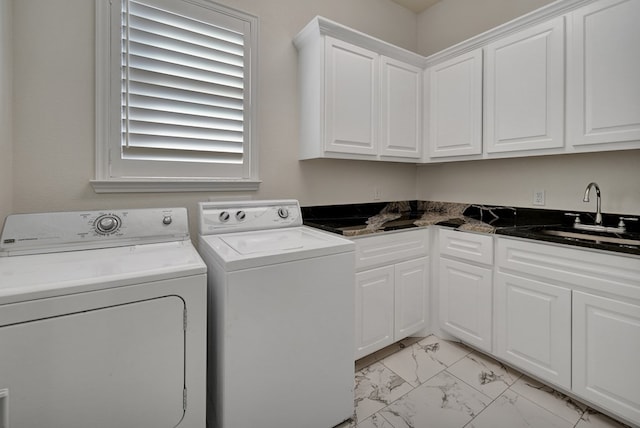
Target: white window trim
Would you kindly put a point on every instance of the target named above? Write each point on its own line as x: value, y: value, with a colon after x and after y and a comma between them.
x: 103, y: 183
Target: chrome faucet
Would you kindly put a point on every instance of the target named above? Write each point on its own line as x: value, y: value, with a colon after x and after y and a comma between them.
x: 598, y: 202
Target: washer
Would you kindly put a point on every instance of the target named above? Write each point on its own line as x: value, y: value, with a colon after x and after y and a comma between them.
x: 102, y: 321
x: 281, y: 326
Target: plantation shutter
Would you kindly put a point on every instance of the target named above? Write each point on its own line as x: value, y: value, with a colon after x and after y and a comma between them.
x: 183, y: 88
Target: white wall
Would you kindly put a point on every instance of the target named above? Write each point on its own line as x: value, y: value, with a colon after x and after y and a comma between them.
x: 6, y: 96
x: 512, y: 181
x: 564, y: 179
x: 54, y: 108
x: 53, y: 116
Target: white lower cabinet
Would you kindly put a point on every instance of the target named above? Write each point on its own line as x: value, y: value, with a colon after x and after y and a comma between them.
x: 465, y: 302
x: 567, y: 316
x: 411, y: 296
x: 465, y: 286
x: 392, y: 288
x: 606, y: 352
x: 571, y: 317
x: 391, y: 304
x: 533, y: 327
x: 374, y: 310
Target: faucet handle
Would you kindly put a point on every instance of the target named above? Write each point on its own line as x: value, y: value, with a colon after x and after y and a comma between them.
x: 621, y: 224
x: 577, y: 217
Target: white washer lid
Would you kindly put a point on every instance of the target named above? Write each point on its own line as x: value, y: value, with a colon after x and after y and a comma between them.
x: 31, y: 277
x: 265, y: 241
x: 244, y: 250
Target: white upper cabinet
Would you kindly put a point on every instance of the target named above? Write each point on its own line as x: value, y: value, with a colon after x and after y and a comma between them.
x: 524, y: 90
x: 401, y: 109
x: 603, y: 73
x: 360, y: 98
x: 351, y: 112
x: 455, y: 106
x: 561, y: 79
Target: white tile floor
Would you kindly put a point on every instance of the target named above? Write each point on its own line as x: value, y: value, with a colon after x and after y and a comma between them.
x: 434, y: 383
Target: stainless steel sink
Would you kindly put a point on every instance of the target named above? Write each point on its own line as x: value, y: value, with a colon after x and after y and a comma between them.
x: 593, y: 237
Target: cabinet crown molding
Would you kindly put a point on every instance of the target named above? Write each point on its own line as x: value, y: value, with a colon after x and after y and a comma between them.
x: 320, y: 26
x: 552, y: 10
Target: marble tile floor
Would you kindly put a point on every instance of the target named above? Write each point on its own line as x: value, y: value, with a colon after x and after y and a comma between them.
x: 434, y: 383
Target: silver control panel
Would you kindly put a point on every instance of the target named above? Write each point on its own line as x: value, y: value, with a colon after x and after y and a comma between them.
x: 66, y: 231
x: 223, y: 217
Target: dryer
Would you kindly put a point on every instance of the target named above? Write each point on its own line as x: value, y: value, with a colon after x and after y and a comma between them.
x: 102, y: 321
x: 281, y: 317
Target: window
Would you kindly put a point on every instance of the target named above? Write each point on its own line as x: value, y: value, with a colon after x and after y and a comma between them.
x: 175, y: 96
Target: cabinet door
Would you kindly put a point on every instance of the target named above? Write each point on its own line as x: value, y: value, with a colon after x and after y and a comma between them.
x: 606, y: 348
x: 351, y: 96
x: 455, y: 106
x: 533, y: 327
x: 374, y: 310
x: 604, y: 65
x: 411, y: 297
x: 465, y: 302
x: 524, y: 93
x: 401, y: 109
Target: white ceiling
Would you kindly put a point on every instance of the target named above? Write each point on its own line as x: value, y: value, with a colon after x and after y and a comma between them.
x: 416, y: 5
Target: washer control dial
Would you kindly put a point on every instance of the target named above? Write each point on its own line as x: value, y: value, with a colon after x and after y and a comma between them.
x: 283, y: 212
x: 224, y: 216
x: 241, y: 215
x: 107, y: 224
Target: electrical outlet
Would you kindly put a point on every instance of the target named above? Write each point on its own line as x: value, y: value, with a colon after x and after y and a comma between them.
x: 377, y: 193
x: 538, y: 197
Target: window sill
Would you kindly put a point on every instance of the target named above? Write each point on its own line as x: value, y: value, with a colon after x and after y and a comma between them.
x: 171, y: 185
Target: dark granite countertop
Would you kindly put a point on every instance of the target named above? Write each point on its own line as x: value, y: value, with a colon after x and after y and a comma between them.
x: 567, y: 235
x: 364, y: 219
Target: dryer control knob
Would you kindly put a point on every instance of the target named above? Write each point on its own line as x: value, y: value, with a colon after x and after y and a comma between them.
x: 283, y: 212
x: 167, y: 220
x: 224, y: 216
x: 107, y: 224
x: 241, y: 215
